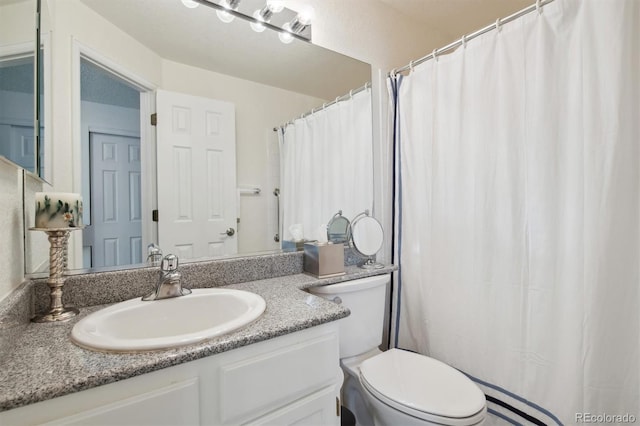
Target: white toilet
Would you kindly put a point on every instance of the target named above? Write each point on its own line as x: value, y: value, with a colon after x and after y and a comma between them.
x: 395, y: 387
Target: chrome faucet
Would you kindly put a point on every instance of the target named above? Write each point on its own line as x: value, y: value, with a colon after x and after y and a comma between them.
x: 169, y: 283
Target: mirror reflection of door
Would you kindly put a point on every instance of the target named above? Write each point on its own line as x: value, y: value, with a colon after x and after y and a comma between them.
x: 110, y: 116
x: 197, y: 195
x: 116, y: 230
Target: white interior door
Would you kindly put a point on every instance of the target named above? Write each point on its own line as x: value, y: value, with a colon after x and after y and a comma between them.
x: 114, y: 235
x: 196, y: 176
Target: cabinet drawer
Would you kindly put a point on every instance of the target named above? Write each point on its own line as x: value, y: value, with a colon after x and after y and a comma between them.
x: 318, y: 409
x: 260, y: 384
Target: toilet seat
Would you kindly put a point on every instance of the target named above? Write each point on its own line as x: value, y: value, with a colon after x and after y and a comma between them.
x: 423, y: 387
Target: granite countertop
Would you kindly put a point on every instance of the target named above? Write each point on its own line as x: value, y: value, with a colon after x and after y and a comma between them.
x: 39, y: 361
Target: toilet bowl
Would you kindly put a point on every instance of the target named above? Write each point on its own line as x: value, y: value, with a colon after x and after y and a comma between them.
x: 405, y: 388
x: 395, y: 387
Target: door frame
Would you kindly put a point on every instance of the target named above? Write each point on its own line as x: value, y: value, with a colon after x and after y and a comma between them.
x: 147, y: 137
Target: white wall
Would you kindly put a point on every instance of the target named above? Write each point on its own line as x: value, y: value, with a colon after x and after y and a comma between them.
x: 370, y: 31
x: 16, y: 22
x: 11, y: 228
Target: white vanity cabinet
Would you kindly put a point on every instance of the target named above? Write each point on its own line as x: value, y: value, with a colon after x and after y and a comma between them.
x: 292, y: 379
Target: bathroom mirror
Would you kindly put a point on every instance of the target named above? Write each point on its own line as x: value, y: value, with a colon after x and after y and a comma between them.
x: 17, y: 88
x: 338, y: 229
x: 366, y: 238
x: 160, y: 44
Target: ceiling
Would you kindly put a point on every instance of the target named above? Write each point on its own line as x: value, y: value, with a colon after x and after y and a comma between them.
x: 456, y: 18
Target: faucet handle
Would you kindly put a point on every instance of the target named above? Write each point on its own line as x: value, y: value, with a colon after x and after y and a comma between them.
x: 169, y: 263
x: 153, y: 249
x: 154, y: 254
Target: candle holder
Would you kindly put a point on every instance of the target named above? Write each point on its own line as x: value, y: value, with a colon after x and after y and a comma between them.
x: 58, y: 240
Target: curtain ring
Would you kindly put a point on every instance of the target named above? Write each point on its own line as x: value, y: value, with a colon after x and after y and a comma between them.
x: 464, y: 41
x: 351, y: 94
x: 498, y: 25
x: 539, y: 6
x: 435, y: 54
x: 411, y: 66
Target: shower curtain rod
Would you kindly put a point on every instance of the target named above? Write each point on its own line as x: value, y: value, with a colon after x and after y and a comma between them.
x: 335, y: 101
x: 465, y: 38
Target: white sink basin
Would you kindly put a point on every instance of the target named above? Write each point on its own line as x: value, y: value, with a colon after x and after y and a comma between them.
x: 135, y: 325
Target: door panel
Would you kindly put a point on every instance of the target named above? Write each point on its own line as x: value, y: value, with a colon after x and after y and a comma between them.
x: 196, y: 175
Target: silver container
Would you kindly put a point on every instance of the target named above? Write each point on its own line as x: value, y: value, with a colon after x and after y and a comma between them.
x: 324, y: 260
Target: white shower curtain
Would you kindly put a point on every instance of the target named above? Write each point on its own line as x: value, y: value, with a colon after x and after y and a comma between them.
x: 327, y: 165
x: 520, y: 213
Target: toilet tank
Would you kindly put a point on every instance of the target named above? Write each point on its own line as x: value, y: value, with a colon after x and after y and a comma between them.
x: 361, y: 331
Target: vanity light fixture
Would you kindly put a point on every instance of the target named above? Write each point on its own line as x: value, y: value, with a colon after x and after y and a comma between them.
x: 265, y: 14
x: 297, y: 25
x: 225, y: 16
x: 289, y: 24
x: 302, y: 20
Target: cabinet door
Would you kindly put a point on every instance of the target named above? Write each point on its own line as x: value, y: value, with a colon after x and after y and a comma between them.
x: 258, y: 383
x: 176, y: 404
x: 320, y: 408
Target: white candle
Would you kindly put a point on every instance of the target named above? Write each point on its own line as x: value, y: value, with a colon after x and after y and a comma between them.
x: 58, y: 210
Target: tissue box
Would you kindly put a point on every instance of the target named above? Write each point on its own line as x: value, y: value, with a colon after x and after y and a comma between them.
x: 288, y: 245
x: 324, y: 260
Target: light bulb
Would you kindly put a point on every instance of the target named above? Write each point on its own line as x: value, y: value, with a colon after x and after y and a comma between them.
x: 276, y: 6
x: 190, y: 4
x: 302, y: 20
x: 255, y: 26
x: 285, y: 36
x: 225, y: 16
x: 306, y: 15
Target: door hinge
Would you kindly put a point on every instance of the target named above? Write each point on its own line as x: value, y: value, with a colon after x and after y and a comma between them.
x: 154, y: 215
x: 154, y: 119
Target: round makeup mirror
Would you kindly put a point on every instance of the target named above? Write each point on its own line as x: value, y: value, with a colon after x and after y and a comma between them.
x: 338, y: 229
x: 367, y: 237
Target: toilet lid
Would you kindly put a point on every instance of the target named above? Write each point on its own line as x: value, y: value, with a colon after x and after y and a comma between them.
x: 415, y: 384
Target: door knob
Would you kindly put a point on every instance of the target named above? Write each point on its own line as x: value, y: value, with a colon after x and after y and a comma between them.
x: 229, y: 232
